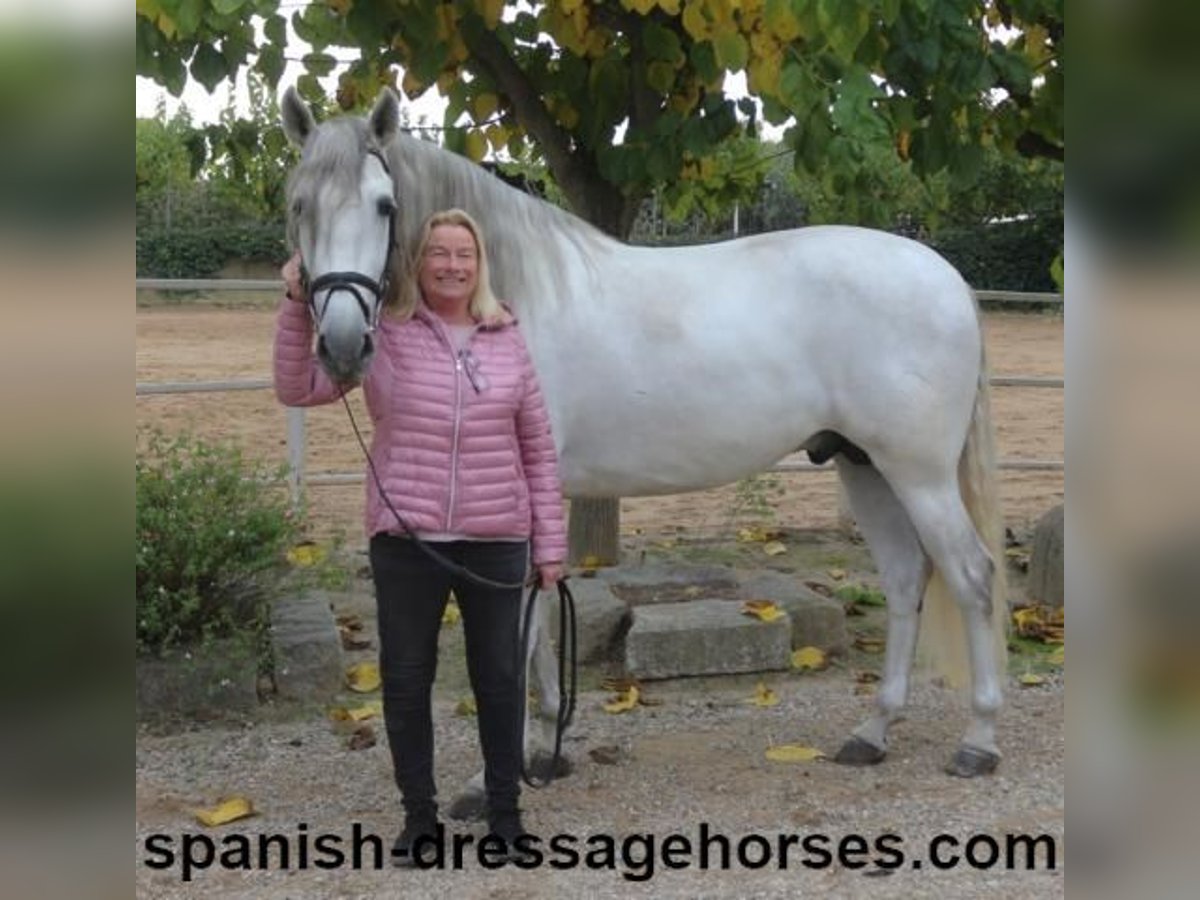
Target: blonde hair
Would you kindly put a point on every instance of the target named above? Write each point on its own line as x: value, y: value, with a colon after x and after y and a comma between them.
x: 483, y: 305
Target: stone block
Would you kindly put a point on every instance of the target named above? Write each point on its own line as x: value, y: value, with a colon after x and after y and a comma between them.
x: 817, y: 621
x: 704, y: 637
x: 600, y: 617
x: 307, y: 647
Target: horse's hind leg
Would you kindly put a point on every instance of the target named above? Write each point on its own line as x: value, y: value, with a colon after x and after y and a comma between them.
x: 904, y: 569
x: 963, y: 560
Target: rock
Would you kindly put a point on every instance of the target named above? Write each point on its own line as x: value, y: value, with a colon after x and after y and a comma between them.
x: 704, y: 637
x: 600, y: 618
x: 1046, y: 582
x: 307, y: 647
x: 817, y: 621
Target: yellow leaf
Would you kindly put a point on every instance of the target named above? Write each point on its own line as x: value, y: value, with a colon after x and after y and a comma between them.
x: 592, y: 562
x: 451, y: 614
x: 694, y: 22
x: 752, y: 534
x: 357, y: 713
x: 763, y: 610
x: 475, y: 145
x: 774, y: 548
x: 484, y: 105
x: 624, y: 701
x: 1029, y: 615
x: 1058, y: 656
x: 808, y: 658
x: 306, y: 554
x: 363, y: 678
x: 836, y: 574
x: 226, y: 811
x: 869, y: 644
x: 763, y: 696
x: 1029, y: 679
x: 465, y: 707
x: 793, y: 753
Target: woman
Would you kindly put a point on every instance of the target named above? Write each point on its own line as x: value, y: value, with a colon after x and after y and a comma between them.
x: 463, y: 448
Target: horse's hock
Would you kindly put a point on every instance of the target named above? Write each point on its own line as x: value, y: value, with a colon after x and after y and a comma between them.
x: 688, y: 620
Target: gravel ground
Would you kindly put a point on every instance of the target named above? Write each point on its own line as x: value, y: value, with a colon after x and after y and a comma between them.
x: 694, y: 757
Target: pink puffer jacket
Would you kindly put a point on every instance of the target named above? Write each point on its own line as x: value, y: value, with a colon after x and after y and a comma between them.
x: 457, y: 452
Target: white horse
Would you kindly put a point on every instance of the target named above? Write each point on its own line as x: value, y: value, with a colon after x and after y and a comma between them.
x: 672, y: 370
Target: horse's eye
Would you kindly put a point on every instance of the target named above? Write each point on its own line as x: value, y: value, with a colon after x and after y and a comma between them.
x: 386, y: 206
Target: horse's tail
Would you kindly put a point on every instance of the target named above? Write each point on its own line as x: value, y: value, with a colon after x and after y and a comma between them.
x: 942, y: 649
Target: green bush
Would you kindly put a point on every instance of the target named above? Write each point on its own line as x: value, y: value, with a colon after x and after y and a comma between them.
x: 1005, y: 256
x: 201, y: 252
x: 208, y: 524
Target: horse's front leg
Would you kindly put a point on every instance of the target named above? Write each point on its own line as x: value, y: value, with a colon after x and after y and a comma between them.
x: 904, y: 570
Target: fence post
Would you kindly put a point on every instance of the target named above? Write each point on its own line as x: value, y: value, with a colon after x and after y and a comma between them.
x: 295, y: 452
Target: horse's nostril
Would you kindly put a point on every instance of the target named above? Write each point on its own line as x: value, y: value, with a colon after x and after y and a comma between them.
x: 368, y: 346
x: 322, y: 349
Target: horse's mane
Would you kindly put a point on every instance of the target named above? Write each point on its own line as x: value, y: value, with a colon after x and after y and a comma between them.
x: 525, y: 235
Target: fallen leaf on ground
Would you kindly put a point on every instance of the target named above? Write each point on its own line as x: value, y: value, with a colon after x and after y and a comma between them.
x: 836, y: 574
x: 624, y: 702
x: 1029, y: 679
x: 357, y: 713
x: 869, y: 644
x: 793, y: 753
x: 763, y: 696
x: 306, y: 554
x: 753, y: 534
x: 465, y: 707
x: 363, y: 738
x: 350, y: 622
x: 764, y: 610
x: 774, y: 548
x: 866, y: 677
x: 1058, y: 656
x: 809, y: 658
x: 226, y: 811
x: 363, y: 678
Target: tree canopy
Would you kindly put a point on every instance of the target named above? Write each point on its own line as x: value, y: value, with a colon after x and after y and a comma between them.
x: 622, y: 96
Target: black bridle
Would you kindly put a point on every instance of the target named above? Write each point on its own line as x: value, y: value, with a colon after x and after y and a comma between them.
x: 352, y: 281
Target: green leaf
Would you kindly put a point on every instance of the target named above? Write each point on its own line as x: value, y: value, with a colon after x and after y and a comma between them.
x: 704, y: 61
x: 225, y: 7
x: 320, y: 64
x: 662, y: 43
x: 731, y: 50
x: 844, y: 24
x: 187, y: 16
x: 275, y: 30
x: 208, y: 67
x: 270, y: 64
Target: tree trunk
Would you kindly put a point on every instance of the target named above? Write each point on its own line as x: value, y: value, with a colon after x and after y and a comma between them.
x: 592, y: 534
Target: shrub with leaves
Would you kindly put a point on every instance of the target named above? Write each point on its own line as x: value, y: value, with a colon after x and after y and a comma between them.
x: 208, y: 524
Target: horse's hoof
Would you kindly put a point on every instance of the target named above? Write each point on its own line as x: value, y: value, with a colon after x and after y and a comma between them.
x: 542, y: 768
x: 468, y: 807
x: 971, y: 762
x: 857, y: 752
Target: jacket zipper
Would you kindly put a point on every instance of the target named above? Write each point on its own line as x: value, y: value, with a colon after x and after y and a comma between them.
x: 458, y: 368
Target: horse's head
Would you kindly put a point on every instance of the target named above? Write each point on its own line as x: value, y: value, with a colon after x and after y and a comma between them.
x: 341, y: 215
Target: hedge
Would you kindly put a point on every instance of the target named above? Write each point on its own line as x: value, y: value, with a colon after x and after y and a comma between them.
x: 1004, y: 256
x: 201, y: 252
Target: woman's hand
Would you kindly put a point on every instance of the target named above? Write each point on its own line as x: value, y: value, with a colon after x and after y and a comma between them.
x: 549, y: 574
x: 292, y: 280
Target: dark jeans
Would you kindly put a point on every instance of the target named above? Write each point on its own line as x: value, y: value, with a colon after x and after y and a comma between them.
x: 410, y: 594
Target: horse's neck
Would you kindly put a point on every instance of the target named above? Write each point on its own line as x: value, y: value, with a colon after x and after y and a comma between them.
x: 542, y: 258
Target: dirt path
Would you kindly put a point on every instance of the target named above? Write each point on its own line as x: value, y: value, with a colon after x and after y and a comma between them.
x: 177, y: 343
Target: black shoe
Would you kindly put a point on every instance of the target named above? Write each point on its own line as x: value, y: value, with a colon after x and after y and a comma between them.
x: 507, y: 826
x: 417, y: 824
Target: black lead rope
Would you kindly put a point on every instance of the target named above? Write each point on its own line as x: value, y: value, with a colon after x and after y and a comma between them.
x: 567, y: 634
x: 567, y: 637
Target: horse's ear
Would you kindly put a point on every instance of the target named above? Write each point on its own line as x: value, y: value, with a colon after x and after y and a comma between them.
x: 385, y: 117
x: 298, y: 121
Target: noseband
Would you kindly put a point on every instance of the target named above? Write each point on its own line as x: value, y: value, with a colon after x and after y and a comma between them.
x: 353, y: 281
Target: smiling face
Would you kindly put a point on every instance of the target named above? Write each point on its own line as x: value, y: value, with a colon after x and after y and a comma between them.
x: 450, y: 271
